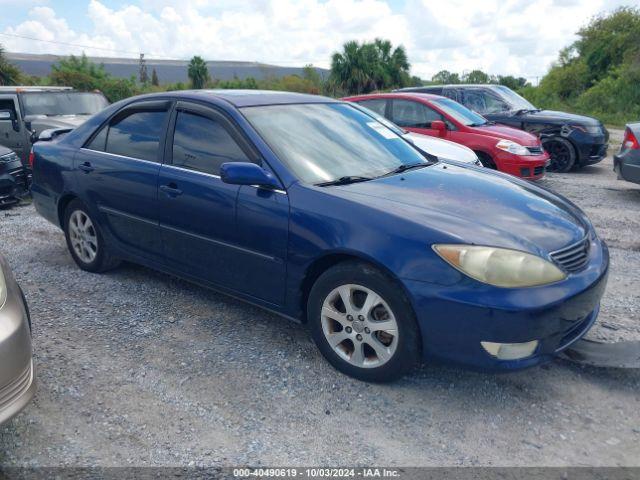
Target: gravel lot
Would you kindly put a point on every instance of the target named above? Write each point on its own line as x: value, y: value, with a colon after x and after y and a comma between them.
x: 138, y: 368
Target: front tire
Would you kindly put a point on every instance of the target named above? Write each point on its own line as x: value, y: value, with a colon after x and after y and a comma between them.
x: 562, y: 153
x: 85, y: 241
x: 363, y: 324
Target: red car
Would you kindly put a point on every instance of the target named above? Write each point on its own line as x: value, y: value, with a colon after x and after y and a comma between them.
x: 497, y: 146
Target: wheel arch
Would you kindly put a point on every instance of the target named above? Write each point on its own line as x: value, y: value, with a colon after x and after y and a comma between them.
x: 329, y: 260
x: 64, y: 201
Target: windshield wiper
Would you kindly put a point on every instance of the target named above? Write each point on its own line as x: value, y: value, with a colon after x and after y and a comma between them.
x: 527, y: 110
x: 405, y: 167
x: 346, y: 180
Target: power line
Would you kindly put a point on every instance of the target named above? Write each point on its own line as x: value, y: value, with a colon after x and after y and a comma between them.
x: 155, y: 57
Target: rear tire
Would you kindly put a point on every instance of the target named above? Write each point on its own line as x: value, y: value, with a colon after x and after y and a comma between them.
x: 85, y: 240
x: 562, y: 153
x: 363, y: 323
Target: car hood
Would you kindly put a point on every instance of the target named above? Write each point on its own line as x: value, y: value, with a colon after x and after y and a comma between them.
x: 507, y: 133
x: 40, y: 123
x: 443, y: 149
x: 476, y: 206
x: 561, y: 118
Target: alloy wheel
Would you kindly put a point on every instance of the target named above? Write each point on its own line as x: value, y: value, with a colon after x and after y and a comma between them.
x: 359, y: 326
x: 83, y: 236
x: 560, y: 156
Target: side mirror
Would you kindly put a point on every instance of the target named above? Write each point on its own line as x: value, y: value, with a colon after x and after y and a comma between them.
x: 7, y: 116
x: 440, y: 127
x: 246, y: 173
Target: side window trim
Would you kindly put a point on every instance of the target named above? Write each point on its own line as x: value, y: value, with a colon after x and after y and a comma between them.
x: 216, y: 115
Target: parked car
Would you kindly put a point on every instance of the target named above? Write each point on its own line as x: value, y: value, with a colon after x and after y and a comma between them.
x: 572, y: 141
x: 17, y: 377
x: 14, y: 179
x: 27, y: 111
x: 442, y: 149
x: 627, y: 162
x: 497, y: 146
x: 304, y: 206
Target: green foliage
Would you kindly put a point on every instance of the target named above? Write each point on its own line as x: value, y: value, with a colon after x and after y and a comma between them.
x: 9, y: 73
x: 599, y: 74
x: 446, y: 77
x: 476, y: 76
x: 514, y: 83
x: 154, y: 78
x: 362, y: 68
x: 198, y: 72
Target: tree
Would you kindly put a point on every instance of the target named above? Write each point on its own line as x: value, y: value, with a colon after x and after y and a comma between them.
x: 362, y: 68
x: 198, y: 72
x: 9, y: 73
x: 512, y: 82
x: 154, y: 78
x: 445, y: 77
x: 476, y: 76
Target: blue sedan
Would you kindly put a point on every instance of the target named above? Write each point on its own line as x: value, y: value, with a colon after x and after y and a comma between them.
x: 310, y: 208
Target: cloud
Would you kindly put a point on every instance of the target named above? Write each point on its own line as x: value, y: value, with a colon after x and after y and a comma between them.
x: 517, y: 37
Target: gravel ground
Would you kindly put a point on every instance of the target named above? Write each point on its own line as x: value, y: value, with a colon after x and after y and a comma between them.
x: 138, y: 368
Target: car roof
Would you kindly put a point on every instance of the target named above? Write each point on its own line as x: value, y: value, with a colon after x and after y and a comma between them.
x: 252, y: 98
x: 19, y: 89
x: 451, y: 85
x: 398, y: 94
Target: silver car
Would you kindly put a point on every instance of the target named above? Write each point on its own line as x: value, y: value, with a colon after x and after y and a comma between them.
x: 17, y: 376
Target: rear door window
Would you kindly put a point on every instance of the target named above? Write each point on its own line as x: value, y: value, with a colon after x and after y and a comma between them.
x: 136, y: 135
x: 203, y: 144
x: 377, y: 105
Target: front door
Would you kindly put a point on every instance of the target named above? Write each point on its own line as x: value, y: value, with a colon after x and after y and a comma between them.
x: 414, y: 116
x: 9, y: 137
x: 234, y: 237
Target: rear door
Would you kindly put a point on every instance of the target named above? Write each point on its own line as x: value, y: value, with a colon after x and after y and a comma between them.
x: 235, y: 237
x: 9, y: 137
x: 117, y: 172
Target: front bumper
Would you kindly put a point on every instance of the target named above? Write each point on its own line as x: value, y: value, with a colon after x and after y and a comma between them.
x: 531, y: 167
x: 14, y: 182
x: 627, y: 165
x: 590, y: 148
x: 455, y: 319
x: 17, y: 378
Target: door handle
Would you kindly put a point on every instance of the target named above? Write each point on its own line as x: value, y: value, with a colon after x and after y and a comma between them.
x: 171, y: 189
x: 86, y: 167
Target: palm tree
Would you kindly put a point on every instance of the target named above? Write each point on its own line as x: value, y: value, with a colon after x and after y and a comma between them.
x: 9, y: 73
x: 198, y: 72
x: 352, y: 70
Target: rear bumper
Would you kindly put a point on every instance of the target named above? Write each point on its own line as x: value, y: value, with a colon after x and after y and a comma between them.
x: 627, y: 165
x: 454, y: 320
x: 17, y: 380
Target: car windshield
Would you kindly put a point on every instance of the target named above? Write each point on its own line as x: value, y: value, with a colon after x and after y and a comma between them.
x: 326, y: 142
x: 515, y: 101
x: 63, y: 103
x: 459, y: 112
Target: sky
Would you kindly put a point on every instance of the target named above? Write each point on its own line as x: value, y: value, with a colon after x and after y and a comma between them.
x: 505, y: 37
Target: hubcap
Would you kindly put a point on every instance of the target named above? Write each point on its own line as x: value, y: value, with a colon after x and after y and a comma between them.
x: 360, y: 326
x: 84, y: 239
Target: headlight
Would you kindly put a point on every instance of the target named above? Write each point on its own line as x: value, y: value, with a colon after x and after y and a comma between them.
x: 512, y: 147
x: 591, y: 129
x: 3, y: 288
x: 500, y: 267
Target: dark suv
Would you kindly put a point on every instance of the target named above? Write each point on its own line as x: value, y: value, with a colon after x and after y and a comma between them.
x: 571, y: 140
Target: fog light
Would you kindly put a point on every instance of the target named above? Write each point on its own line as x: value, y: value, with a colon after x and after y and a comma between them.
x: 525, y: 172
x: 510, y: 351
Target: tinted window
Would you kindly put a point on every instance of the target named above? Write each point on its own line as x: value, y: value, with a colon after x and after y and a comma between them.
x: 410, y: 114
x: 484, y: 101
x: 8, y: 105
x: 99, y: 142
x: 203, y: 144
x: 137, y: 135
x: 377, y: 105
x: 461, y: 113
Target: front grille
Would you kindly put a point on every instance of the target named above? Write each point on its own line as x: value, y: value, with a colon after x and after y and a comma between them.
x: 535, y: 150
x: 15, y: 389
x: 574, y: 257
x: 538, y: 170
